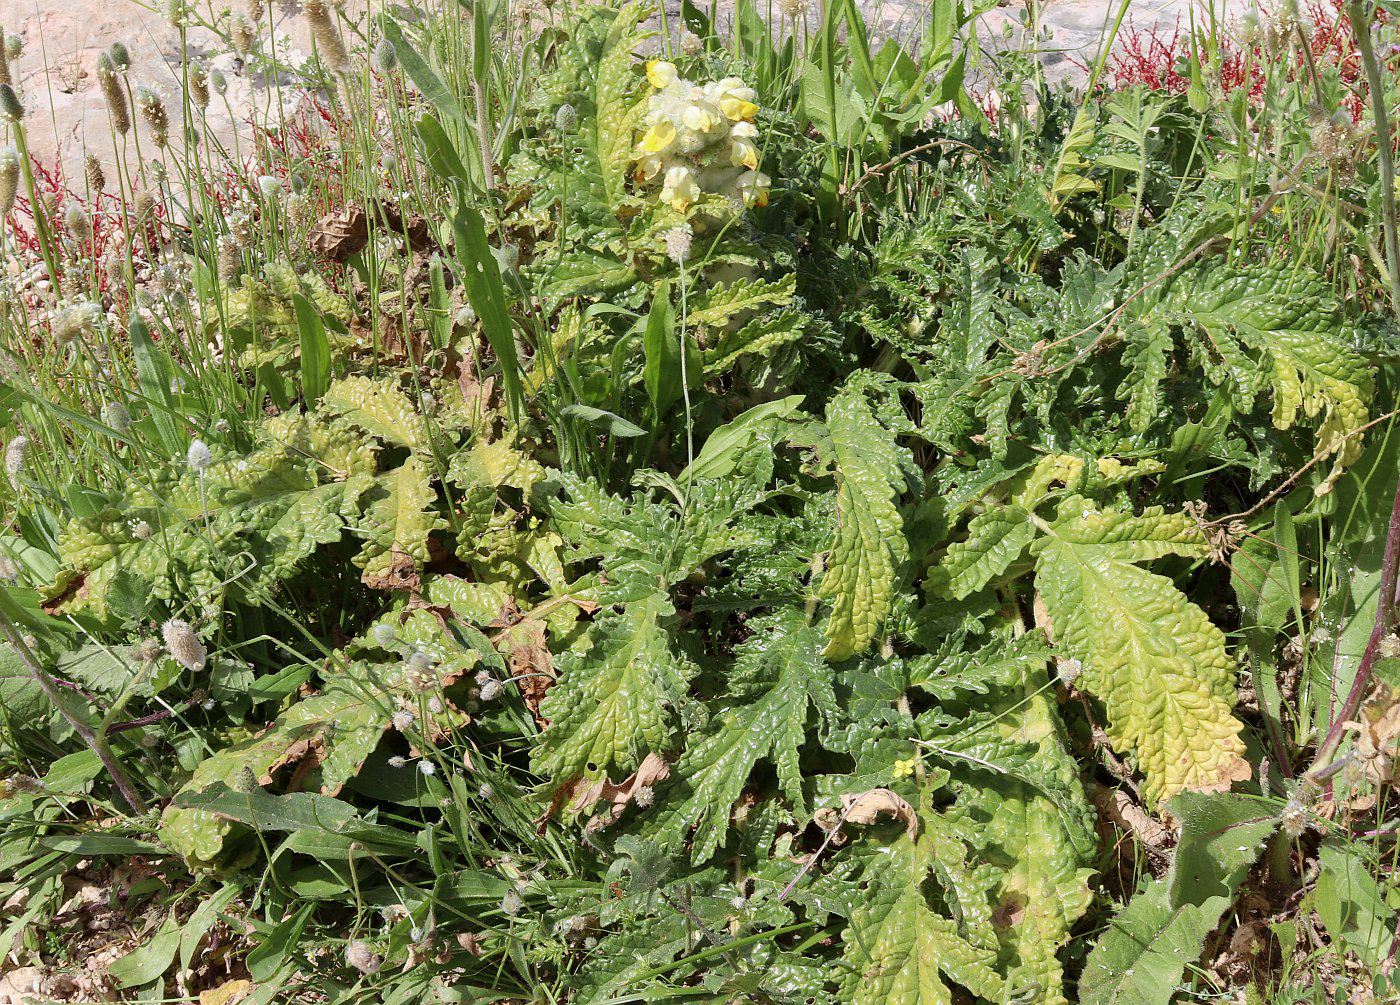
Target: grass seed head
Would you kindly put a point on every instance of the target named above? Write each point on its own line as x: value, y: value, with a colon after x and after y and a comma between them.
x: 92, y: 170
x: 152, y: 108
x: 199, y: 86
x: 15, y: 451
x: 5, y: 76
x: 243, y: 35
x: 76, y: 222
x: 182, y: 643
x: 9, y: 179
x: 323, y: 29
x: 120, y: 56
x: 198, y: 456
x: 10, y: 105
x: 113, y: 93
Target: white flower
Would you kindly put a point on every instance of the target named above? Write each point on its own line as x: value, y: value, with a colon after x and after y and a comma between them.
x: 403, y: 720
x: 198, y: 456
x: 269, y: 186
x: 14, y: 458
x: 491, y: 690
x: 384, y: 636
x: 427, y: 768
x: 183, y: 644
x: 397, y: 761
x: 678, y: 241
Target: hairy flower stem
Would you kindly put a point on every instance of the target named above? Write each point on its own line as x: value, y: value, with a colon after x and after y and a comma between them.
x: 1385, y: 620
x: 96, y: 741
x: 1361, y: 30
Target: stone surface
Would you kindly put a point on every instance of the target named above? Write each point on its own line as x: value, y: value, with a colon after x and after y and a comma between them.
x: 63, y: 38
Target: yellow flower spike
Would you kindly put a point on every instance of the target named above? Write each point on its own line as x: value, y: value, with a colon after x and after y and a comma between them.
x: 661, y: 74
x: 659, y: 137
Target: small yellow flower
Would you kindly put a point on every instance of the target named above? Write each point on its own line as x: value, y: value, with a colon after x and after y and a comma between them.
x: 753, y: 187
x: 648, y: 166
x: 659, y: 137
x: 661, y: 74
x: 680, y: 188
x: 904, y: 767
x: 742, y: 152
x: 736, y: 101
x: 700, y: 116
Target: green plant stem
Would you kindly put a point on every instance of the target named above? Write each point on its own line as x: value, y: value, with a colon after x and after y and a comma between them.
x: 96, y: 741
x: 1385, y: 620
x: 1361, y: 30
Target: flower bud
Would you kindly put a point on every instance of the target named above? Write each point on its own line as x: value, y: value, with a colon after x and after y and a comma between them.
x: 198, y: 456
x: 117, y: 416
x: 120, y: 56
x: 10, y: 106
x: 386, y: 56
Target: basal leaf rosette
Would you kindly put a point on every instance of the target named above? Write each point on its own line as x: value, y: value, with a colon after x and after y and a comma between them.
x: 700, y: 139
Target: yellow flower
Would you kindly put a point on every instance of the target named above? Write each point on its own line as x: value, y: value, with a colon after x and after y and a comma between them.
x: 661, y: 74
x: 700, y: 116
x: 743, y: 152
x: 736, y: 101
x: 659, y: 137
x: 648, y: 166
x: 753, y: 187
x: 904, y: 767
x: 680, y: 189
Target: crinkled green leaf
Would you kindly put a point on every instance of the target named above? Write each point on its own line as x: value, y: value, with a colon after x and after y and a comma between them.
x: 1151, y: 656
x: 398, y: 520
x: 612, y: 704
x: 898, y: 948
x: 995, y: 539
x: 379, y: 408
x: 869, y: 546
x: 778, y: 674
